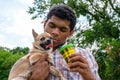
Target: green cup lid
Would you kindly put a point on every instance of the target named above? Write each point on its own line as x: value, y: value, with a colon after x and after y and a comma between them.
x: 66, y: 46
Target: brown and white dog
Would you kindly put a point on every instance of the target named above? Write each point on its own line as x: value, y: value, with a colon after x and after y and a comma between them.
x: 42, y: 44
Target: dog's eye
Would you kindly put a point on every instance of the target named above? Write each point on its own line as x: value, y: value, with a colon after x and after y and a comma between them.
x: 51, y: 37
x: 42, y: 39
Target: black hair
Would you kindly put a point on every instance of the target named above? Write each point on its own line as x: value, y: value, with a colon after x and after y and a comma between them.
x: 64, y: 12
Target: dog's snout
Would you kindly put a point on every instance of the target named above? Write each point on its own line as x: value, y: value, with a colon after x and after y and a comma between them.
x: 48, y: 41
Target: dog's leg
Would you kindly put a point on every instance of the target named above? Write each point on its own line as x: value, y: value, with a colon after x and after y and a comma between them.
x: 56, y: 72
x: 26, y: 75
x: 23, y: 76
x: 34, y: 58
x: 19, y: 78
x: 20, y: 69
x: 50, y: 60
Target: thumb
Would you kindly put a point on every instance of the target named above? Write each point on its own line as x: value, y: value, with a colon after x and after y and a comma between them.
x: 43, y: 57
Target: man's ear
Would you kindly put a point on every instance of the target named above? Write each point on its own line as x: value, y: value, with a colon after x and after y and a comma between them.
x: 71, y: 33
x: 34, y: 34
x: 44, y: 24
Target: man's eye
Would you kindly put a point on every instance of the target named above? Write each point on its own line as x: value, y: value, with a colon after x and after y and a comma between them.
x: 42, y: 39
x: 52, y: 26
x: 63, y: 30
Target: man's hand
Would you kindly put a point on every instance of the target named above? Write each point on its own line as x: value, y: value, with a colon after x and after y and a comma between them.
x: 40, y: 69
x: 80, y: 64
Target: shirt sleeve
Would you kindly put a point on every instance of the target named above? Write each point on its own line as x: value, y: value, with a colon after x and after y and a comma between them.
x: 91, y: 61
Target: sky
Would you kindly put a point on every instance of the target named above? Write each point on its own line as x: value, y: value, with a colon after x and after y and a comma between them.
x: 16, y: 24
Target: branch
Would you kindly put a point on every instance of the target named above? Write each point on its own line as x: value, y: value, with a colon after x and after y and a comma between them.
x: 102, y: 15
x: 113, y: 6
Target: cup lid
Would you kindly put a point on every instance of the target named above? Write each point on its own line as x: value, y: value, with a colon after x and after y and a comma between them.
x: 66, y: 46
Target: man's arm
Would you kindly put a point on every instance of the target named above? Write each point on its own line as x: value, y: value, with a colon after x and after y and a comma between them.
x: 40, y: 70
x: 83, y: 64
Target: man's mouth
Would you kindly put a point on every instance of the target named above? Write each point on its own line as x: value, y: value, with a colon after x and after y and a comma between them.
x: 55, y: 40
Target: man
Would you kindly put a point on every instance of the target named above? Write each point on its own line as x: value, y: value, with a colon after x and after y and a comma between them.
x: 60, y: 24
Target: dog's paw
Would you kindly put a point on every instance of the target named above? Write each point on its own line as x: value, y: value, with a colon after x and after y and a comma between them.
x: 50, y: 60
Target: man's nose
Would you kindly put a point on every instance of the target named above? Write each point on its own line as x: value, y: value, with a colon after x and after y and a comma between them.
x: 55, y: 31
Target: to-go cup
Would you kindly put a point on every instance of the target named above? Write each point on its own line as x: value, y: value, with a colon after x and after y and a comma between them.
x: 66, y: 50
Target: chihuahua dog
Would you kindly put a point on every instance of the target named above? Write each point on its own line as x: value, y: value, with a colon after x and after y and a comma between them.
x: 42, y: 45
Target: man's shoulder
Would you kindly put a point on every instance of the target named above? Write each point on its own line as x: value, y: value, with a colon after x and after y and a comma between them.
x: 83, y: 51
x: 79, y: 49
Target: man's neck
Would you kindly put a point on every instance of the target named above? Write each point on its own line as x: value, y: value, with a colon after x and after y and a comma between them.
x: 54, y: 48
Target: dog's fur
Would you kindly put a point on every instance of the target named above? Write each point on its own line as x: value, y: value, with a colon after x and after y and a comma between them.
x: 42, y: 44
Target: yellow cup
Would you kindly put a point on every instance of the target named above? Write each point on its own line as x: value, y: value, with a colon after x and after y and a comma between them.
x: 66, y: 50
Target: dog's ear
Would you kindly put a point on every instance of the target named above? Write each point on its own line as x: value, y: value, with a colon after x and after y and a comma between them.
x: 34, y: 34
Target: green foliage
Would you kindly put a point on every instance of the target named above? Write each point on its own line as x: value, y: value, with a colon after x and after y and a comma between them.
x: 103, y: 32
x: 20, y: 50
x: 41, y: 6
x: 7, y: 59
x: 108, y: 58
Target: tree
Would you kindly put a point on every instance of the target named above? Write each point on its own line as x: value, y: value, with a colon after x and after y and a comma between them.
x: 24, y: 50
x: 7, y: 59
x: 102, y: 33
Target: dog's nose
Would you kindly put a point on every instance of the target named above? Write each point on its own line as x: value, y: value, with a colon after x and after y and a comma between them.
x: 48, y: 41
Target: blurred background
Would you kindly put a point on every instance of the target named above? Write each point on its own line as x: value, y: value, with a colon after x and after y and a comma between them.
x: 16, y: 24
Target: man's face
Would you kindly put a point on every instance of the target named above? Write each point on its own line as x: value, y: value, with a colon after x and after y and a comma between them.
x: 59, y: 29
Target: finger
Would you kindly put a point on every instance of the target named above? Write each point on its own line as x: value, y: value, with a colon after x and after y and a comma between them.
x: 78, y: 64
x: 43, y: 58
x: 77, y: 57
x: 77, y: 69
x: 46, y: 65
x: 39, y: 64
x: 75, y: 54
